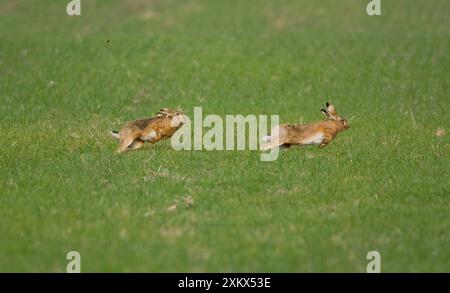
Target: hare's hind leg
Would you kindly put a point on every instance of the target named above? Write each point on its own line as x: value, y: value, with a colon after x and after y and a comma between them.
x: 137, y: 143
x: 274, y: 142
x: 125, y: 142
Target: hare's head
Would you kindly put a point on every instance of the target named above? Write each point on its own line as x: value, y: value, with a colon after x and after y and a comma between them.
x: 177, y: 118
x: 331, y: 114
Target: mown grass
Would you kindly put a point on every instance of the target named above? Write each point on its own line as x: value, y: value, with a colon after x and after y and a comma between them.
x: 382, y: 185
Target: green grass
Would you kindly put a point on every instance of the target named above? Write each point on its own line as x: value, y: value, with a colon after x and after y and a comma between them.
x: 382, y: 185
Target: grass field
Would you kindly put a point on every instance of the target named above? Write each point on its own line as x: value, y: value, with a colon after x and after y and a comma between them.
x: 382, y: 185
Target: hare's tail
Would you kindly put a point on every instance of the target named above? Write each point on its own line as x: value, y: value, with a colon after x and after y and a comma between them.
x: 115, y: 134
x: 266, y: 138
x: 270, y: 142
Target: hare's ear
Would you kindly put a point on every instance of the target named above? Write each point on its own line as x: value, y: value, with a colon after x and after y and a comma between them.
x: 325, y: 112
x: 331, y: 109
x: 163, y: 112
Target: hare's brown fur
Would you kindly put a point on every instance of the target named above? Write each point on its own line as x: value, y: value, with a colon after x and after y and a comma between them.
x: 134, y: 134
x: 318, y: 133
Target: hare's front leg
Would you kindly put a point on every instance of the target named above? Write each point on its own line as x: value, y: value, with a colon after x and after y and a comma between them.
x: 323, y: 144
x: 151, y: 136
x: 155, y: 138
x: 326, y: 140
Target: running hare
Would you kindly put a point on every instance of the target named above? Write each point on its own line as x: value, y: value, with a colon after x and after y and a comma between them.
x: 134, y: 134
x: 317, y: 133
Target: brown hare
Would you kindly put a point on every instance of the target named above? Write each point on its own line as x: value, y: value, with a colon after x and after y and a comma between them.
x: 317, y: 133
x: 134, y: 134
